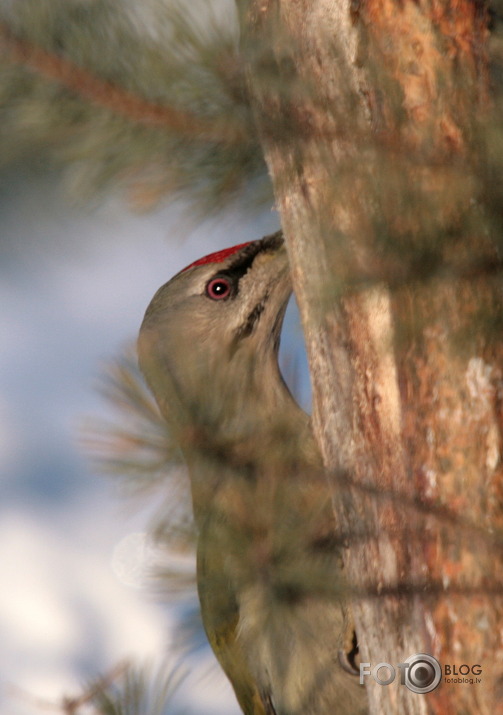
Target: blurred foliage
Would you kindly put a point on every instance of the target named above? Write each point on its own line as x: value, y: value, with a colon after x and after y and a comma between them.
x: 149, y: 99
x: 134, y: 691
x: 125, y: 689
x: 139, y: 445
x: 135, y: 445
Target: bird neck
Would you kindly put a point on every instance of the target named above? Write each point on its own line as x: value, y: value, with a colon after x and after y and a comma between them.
x: 252, y: 423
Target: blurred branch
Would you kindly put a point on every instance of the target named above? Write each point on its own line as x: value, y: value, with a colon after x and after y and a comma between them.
x: 124, y: 690
x: 138, y: 693
x: 137, y: 442
x: 159, y: 108
x: 116, y: 99
x: 71, y: 705
x: 135, y: 446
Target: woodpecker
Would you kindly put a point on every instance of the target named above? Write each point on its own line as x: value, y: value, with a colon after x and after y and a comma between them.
x: 269, y: 570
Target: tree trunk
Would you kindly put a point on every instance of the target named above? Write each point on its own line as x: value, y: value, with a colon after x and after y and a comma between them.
x: 371, y: 117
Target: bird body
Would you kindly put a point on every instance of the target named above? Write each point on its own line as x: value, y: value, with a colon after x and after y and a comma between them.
x: 270, y: 577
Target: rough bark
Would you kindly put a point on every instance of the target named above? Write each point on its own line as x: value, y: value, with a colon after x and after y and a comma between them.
x: 370, y: 116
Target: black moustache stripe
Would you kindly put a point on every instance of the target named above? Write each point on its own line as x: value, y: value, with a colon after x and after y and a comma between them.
x: 247, y: 328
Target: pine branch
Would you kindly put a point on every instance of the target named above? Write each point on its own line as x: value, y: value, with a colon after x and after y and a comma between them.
x: 125, y: 690
x: 135, y: 445
x: 70, y: 705
x: 158, y: 114
x: 116, y: 99
x: 140, y: 691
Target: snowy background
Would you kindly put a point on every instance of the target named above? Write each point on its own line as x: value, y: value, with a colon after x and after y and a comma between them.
x: 74, y: 284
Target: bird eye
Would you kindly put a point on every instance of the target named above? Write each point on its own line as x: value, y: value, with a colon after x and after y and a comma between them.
x: 218, y: 288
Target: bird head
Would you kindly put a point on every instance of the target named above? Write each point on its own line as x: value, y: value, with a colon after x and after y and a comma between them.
x: 209, y: 341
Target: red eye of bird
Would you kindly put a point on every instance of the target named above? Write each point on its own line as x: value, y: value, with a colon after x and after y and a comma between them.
x: 218, y: 288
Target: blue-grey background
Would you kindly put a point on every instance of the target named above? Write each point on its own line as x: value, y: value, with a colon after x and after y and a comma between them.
x: 74, y: 283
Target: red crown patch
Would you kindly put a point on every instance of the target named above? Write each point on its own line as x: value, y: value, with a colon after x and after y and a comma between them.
x: 218, y: 256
